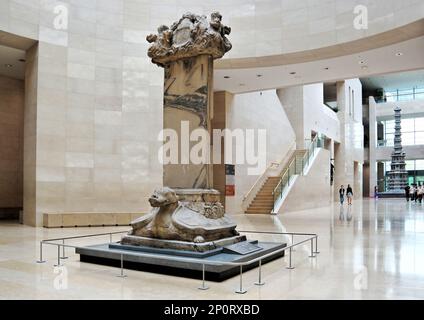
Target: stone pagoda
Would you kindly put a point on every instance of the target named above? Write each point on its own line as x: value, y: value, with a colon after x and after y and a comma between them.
x: 397, y: 177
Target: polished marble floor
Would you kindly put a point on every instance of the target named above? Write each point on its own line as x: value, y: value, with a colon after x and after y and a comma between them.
x: 371, y: 250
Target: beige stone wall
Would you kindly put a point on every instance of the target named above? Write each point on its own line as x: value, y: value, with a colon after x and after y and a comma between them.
x: 11, y: 142
x: 257, y: 110
x: 30, y: 138
x: 349, y: 101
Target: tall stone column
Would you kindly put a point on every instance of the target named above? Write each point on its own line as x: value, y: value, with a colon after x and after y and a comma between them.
x: 186, y: 51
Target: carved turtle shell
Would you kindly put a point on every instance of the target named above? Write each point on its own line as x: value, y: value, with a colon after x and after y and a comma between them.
x: 197, y: 224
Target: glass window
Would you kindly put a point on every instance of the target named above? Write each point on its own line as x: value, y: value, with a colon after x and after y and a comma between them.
x: 419, y: 124
x: 390, y: 97
x: 389, y: 126
x: 419, y: 137
x: 419, y: 164
x: 408, y: 139
x: 389, y: 139
x: 410, y: 165
x: 406, y: 94
x: 407, y: 125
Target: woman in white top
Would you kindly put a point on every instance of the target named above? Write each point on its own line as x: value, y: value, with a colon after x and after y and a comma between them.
x: 412, y: 192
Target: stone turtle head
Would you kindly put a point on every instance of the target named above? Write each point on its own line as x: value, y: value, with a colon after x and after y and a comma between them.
x: 162, y: 197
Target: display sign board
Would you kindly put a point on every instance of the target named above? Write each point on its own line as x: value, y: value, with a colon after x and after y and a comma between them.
x: 230, y: 180
x: 243, y: 247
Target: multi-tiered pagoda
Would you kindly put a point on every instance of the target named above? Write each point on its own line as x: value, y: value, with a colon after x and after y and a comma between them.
x: 397, y: 177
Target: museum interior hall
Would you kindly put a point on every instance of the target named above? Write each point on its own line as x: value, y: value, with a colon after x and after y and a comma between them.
x: 214, y: 149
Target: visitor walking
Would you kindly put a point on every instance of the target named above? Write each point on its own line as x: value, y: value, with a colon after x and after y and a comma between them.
x: 407, y: 188
x: 416, y: 192
x: 420, y: 193
x: 349, y: 194
x: 341, y: 194
x: 412, y: 193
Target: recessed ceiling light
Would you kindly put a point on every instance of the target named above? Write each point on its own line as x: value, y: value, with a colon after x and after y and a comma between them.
x: 398, y: 54
x: 227, y: 77
x: 241, y: 84
x: 292, y: 72
x: 361, y: 61
x: 8, y: 65
x: 326, y: 68
x: 22, y: 60
x: 259, y: 75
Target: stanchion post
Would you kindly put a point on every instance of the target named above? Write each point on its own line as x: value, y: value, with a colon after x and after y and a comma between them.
x: 63, y: 250
x: 203, y: 286
x: 259, y: 282
x: 292, y: 241
x: 240, y: 290
x: 290, y: 259
x: 58, y: 256
x: 122, y: 275
x: 316, y: 245
x: 110, y: 237
x: 41, y: 253
x: 312, y: 249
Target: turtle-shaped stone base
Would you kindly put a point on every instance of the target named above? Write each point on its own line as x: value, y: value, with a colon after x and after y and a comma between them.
x: 170, y: 219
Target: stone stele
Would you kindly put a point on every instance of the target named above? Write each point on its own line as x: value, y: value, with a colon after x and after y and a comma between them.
x: 186, y: 51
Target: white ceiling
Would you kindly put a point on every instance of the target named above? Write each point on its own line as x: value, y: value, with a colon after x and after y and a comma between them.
x: 393, y: 81
x: 379, y: 63
x: 375, y: 62
x: 11, y: 56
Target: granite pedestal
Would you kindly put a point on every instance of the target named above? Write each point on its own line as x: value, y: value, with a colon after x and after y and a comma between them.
x: 182, y: 263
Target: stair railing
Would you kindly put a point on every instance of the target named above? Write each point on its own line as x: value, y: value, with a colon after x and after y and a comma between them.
x: 293, y: 168
x: 275, y: 168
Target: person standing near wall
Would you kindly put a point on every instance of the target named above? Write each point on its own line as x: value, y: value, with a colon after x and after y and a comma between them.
x: 407, y: 188
x: 420, y: 193
x: 341, y: 194
x: 349, y: 194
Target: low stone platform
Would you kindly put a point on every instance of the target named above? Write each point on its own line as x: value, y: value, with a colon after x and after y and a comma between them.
x: 144, y: 242
x: 179, y: 262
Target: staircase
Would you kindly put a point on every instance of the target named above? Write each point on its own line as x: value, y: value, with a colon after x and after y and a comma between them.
x: 264, y: 200
x: 273, y: 188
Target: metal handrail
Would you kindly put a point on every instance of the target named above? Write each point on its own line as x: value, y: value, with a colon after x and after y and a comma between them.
x: 284, y: 173
x: 310, y: 151
x: 311, y: 238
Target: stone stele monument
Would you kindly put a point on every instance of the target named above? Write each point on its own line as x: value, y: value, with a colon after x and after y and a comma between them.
x: 186, y: 51
x: 189, y: 216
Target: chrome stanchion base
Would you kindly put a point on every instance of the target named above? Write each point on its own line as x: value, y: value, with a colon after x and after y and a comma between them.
x: 312, y: 256
x: 240, y: 291
x: 203, y: 288
x: 40, y: 261
x: 58, y: 265
x: 259, y: 283
x: 121, y: 275
x: 64, y: 257
x: 290, y: 268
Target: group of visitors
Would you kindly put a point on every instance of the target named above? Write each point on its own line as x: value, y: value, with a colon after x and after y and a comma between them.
x: 414, y: 192
x: 349, y: 194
